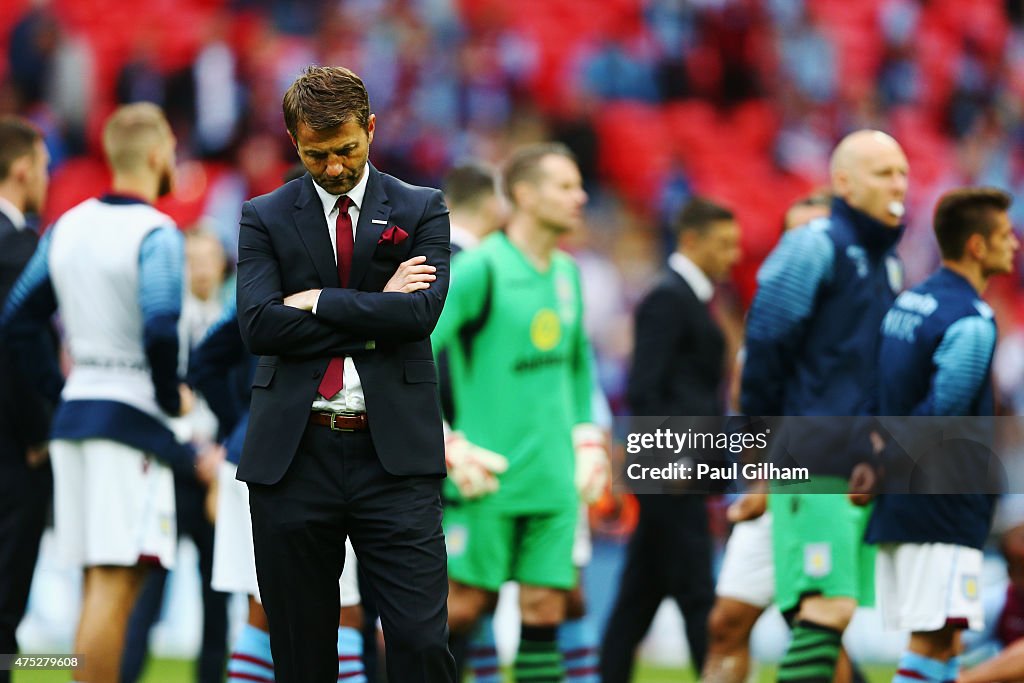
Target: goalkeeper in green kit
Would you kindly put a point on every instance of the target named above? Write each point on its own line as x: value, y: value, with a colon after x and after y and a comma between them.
x: 522, y: 451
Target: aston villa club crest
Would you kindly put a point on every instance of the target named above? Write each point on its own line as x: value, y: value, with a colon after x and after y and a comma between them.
x: 455, y: 538
x: 818, y: 559
x: 894, y: 272
x: 969, y: 587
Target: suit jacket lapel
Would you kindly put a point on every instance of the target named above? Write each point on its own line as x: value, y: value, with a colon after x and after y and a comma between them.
x: 375, y: 206
x: 312, y: 226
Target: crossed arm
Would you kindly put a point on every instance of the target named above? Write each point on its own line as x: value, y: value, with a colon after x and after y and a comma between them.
x: 346, y: 320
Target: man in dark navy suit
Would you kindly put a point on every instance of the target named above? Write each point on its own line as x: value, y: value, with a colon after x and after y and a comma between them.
x: 342, y: 275
x: 26, y: 482
x: 678, y: 370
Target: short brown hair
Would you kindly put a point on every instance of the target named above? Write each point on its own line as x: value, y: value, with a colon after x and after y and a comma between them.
x: 325, y: 97
x: 131, y: 132
x: 698, y: 214
x: 822, y: 198
x: 18, y: 138
x: 965, y: 212
x: 524, y: 164
x: 469, y: 184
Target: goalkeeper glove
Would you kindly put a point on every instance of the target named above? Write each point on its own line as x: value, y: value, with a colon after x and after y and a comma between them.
x: 593, y: 470
x: 471, y: 467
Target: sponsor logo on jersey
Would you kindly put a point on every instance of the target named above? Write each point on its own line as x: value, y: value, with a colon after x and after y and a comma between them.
x: 545, y: 330
x: 548, y: 360
x: 901, y: 325
x: 922, y: 304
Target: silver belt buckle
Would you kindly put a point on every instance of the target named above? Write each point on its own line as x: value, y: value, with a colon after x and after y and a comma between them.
x: 341, y: 414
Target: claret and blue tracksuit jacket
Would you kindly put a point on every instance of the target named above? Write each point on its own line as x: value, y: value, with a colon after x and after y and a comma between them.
x: 812, y: 333
x: 936, y: 360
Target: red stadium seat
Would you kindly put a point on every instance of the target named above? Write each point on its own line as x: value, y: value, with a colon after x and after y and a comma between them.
x: 73, y: 182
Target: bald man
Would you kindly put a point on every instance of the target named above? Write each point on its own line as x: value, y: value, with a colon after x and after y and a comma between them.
x: 812, y: 336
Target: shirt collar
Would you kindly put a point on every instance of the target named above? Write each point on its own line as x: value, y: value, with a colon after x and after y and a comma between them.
x: 356, y: 194
x: 122, y: 199
x: 463, y: 238
x: 873, y: 233
x: 13, y: 213
x: 693, y: 275
x: 957, y: 280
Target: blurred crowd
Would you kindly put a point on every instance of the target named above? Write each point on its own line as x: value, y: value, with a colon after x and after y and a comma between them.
x: 739, y: 100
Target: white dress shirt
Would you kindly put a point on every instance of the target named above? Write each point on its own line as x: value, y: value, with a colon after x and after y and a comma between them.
x: 463, y: 238
x: 350, y: 398
x: 694, y: 276
x: 12, y: 212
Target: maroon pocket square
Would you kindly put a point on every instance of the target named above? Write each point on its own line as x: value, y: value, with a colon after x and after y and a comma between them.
x: 393, y: 235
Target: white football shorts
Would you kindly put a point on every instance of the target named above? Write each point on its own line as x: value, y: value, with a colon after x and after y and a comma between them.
x: 234, y: 560
x: 922, y: 586
x: 113, y: 505
x: 748, y: 569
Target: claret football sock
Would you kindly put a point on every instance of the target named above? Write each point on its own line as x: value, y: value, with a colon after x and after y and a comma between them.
x: 577, y: 640
x: 251, y: 659
x: 482, y: 652
x: 915, y: 668
x: 952, y: 670
x: 350, y: 655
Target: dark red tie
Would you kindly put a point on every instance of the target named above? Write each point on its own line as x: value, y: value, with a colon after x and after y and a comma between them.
x: 334, y: 376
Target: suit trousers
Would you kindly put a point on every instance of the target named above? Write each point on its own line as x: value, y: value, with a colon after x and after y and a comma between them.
x: 24, y: 502
x: 669, y: 555
x: 337, y: 487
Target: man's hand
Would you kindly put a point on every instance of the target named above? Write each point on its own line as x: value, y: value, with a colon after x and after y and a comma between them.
x: 208, y: 462
x: 304, y: 301
x: 862, y: 484
x: 411, y: 276
x: 750, y: 506
x: 188, y: 399
x: 593, y: 469
x: 471, y: 467
x: 36, y: 456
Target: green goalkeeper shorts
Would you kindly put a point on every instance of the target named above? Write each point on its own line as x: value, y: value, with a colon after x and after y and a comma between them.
x: 486, y: 548
x: 818, y: 542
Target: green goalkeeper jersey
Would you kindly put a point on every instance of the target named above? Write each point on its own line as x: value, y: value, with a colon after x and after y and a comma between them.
x: 520, y: 369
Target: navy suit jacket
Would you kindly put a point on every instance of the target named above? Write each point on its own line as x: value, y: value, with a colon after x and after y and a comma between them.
x: 284, y: 247
x: 24, y: 413
x: 679, y: 359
